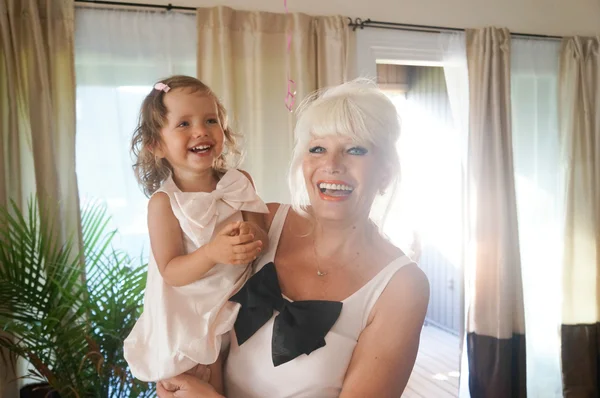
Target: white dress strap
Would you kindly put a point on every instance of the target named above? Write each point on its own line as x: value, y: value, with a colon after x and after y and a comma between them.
x: 371, y: 292
x: 274, y: 234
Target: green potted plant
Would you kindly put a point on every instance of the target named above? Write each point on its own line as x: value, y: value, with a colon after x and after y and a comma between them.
x: 68, y: 307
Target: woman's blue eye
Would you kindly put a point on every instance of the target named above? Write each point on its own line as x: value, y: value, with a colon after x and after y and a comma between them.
x: 316, y: 149
x: 357, y: 150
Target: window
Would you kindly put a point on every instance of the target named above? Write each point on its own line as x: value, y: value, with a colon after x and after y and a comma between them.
x: 119, y: 54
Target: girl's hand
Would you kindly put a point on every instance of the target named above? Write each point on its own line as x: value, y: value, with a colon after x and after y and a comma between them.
x: 186, y: 386
x: 233, y: 246
x: 201, y: 372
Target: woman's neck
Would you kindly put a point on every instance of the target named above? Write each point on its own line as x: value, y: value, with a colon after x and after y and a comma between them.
x: 338, y: 240
x: 203, y: 181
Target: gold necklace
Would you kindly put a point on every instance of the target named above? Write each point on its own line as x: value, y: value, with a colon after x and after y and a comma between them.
x: 324, y: 273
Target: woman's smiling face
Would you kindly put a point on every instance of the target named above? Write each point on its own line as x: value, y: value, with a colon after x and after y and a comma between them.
x: 342, y: 177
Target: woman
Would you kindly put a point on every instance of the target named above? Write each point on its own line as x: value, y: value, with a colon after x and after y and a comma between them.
x: 333, y: 309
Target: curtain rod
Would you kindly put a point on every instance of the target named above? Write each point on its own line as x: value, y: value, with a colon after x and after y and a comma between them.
x: 358, y: 23
x: 354, y: 23
x: 167, y: 7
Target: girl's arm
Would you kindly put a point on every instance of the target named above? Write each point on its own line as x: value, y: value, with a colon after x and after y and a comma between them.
x: 387, y: 348
x: 178, y: 268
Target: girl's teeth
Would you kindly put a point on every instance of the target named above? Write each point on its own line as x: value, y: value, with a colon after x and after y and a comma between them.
x: 200, y: 148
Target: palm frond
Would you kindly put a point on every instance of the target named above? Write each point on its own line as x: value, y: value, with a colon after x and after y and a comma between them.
x: 69, y: 308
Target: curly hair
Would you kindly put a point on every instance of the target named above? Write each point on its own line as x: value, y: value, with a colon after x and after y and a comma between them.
x: 151, y: 171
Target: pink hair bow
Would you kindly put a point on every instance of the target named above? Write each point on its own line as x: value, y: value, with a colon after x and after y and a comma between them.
x: 162, y: 87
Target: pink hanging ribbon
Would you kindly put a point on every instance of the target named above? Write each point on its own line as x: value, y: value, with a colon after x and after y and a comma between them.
x: 290, y: 97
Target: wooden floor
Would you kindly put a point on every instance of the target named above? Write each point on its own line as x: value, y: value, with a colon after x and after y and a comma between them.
x: 436, y: 371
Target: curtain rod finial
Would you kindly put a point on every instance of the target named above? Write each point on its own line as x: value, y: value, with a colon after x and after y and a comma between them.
x: 357, y: 23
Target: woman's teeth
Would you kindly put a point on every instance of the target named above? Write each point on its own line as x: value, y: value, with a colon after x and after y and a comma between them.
x: 335, y: 189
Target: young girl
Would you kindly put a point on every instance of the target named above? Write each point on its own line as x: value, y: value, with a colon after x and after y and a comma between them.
x: 205, y: 230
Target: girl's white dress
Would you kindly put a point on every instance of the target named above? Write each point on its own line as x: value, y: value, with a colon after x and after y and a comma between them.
x: 183, y: 326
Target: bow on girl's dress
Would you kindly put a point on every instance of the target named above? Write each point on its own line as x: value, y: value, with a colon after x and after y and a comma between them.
x: 234, y: 192
x: 299, y: 328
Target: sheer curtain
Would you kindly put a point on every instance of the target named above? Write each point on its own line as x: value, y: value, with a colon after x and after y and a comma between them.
x: 454, y: 59
x: 539, y: 189
x: 119, y: 54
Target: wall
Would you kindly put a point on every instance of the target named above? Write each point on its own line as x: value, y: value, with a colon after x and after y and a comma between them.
x: 552, y: 17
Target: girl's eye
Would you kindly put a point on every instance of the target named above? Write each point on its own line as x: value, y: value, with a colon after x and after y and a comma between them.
x: 316, y: 149
x: 183, y: 124
x: 212, y: 121
x: 358, y: 150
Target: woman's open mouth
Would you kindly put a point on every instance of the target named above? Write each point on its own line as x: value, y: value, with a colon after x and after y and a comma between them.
x: 334, y: 190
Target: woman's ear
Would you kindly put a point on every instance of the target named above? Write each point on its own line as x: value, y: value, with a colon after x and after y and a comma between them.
x: 384, y: 182
x: 387, y: 177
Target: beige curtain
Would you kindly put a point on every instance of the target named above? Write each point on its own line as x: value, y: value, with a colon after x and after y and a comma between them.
x: 37, y: 113
x: 242, y: 56
x: 495, y: 324
x: 579, y: 100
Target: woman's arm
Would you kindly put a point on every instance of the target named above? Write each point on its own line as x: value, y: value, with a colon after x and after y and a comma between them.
x: 256, y: 223
x: 178, y: 268
x: 387, y: 348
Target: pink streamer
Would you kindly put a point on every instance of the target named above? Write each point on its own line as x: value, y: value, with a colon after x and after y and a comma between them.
x: 290, y: 97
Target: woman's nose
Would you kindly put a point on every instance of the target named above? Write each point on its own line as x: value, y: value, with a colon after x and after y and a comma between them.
x: 334, y: 163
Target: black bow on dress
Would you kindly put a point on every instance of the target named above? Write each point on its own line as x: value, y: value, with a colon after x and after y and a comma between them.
x: 301, y: 326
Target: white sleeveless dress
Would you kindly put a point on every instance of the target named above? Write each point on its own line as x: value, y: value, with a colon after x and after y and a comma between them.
x: 249, y: 371
x: 183, y: 326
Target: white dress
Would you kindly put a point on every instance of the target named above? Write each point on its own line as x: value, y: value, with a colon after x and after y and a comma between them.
x: 183, y: 326
x: 250, y: 371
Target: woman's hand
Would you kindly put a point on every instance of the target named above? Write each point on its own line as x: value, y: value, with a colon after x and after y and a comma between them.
x: 187, y: 386
x: 255, y: 224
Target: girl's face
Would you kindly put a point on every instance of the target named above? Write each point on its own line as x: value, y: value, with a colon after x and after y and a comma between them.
x: 192, y: 137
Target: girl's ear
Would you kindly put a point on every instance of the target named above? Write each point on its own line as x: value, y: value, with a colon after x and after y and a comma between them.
x: 156, y: 150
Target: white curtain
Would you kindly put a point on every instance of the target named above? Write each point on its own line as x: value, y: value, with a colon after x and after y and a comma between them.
x: 454, y: 59
x: 119, y: 54
x: 539, y: 189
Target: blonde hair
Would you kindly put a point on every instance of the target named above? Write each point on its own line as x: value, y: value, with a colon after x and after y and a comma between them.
x: 151, y: 171
x: 357, y: 109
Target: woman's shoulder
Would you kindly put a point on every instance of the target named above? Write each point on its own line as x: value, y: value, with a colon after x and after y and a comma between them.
x: 273, y: 207
x: 408, y: 286
x: 292, y: 217
x: 406, y: 291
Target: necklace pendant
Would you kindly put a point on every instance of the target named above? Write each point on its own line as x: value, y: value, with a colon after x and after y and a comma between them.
x: 319, y: 273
